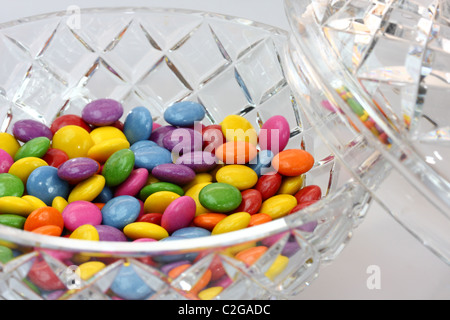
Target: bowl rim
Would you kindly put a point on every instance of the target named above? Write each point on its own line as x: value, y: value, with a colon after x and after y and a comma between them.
x: 20, y: 237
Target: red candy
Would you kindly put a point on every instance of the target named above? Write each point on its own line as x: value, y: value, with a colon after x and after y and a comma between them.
x: 308, y: 193
x: 268, y: 185
x: 69, y: 119
x: 251, y: 201
x: 55, y: 157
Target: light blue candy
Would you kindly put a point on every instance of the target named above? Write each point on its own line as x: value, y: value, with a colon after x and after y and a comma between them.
x: 150, y: 157
x: 191, y: 232
x: 45, y: 184
x: 128, y: 285
x: 184, y: 114
x: 120, y: 211
x: 262, y: 162
x: 138, y: 125
x: 167, y: 258
x: 143, y: 144
x: 105, y: 195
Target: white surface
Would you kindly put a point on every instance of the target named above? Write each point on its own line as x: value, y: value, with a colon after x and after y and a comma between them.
x: 407, y: 270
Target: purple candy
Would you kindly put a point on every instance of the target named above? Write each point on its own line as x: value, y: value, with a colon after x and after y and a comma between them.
x: 159, y: 134
x: 25, y: 130
x: 199, y: 161
x: 102, y: 112
x: 109, y: 233
x: 174, y: 173
x: 167, y: 267
x: 183, y: 140
x: 77, y: 169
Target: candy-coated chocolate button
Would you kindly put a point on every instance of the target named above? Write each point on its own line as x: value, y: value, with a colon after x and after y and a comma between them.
x: 67, y: 120
x: 259, y: 218
x: 150, y: 189
x: 194, y: 192
x: 25, y: 130
x: 250, y: 255
x: 85, y: 232
x: 208, y: 220
x: 278, y: 206
x: 236, y: 152
x: 55, y: 157
x: 233, y: 222
x: 293, y: 162
x: 251, y: 201
x: 102, y: 134
x: 220, y: 197
x: 262, y: 164
x: 110, y: 233
x: 137, y: 230
x: 42, y: 217
x: 35, y: 202
x: 6, y: 254
x: 15, y: 205
x: 269, y: 184
x: 178, y: 214
x: 11, y: 185
x: 212, y: 138
x: 23, y: 167
x: 36, y: 147
x: 159, y: 201
x: 191, y: 232
x: 199, y: 178
x: 9, y: 143
x: 103, y: 150
x: 73, y: 140
x: 237, y: 128
x: 6, y: 161
x: 78, y: 169
x: 102, y: 112
x: 277, y: 267
x: 199, y: 161
x: 183, y: 140
x: 120, y: 211
x: 59, y: 203
x: 87, y: 190
x: 274, y: 134
x: 12, y: 220
x: 79, y: 213
x: 150, y: 157
x: 290, y: 185
x: 88, y: 269
x: 138, y: 125
x: 210, y: 293
x: 45, y: 184
x: 175, y: 173
x: 184, y: 114
x: 128, y: 285
x: 118, y: 167
x: 133, y: 184
x: 150, y: 217
x: 308, y: 193
x: 240, y: 176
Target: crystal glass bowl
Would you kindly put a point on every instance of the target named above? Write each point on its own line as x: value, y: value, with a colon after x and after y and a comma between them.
x: 380, y: 70
x: 55, y: 64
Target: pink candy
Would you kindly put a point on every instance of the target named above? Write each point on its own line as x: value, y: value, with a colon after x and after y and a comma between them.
x: 6, y: 161
x: 178, y: 214
x: 134, y: 183
x: 79, y: 213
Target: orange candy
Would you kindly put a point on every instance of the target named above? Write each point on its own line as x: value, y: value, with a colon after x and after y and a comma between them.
x: 48, y: 230
x: 175, y: 272
x: 208, y: 220
x: 45, y: 216
x: 251, y: 255
x: 236, y: 152
x: 259, y: 218
x: 293, y: 162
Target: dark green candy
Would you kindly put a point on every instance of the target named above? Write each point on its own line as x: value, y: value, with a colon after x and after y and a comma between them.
x: 159, y: 186
x: 12, y: 220
x: 6, y: 254
x: 220, y: 197
x: 118, y: 167
x: 36, y: 147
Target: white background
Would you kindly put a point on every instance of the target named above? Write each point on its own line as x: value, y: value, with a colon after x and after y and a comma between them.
x: 407, y: 269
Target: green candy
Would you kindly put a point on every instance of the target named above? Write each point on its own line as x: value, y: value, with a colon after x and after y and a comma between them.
x: 118, y: 167
x: 10, y: 185
x: 159, y: 186
x: 220, y: 197
x: 12, y: 220
x: 36, y: 147
x: 6, y: 254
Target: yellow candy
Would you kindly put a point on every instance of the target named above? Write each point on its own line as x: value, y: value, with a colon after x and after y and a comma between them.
x: 159, y: 201
x: 233, y: 222
x: 193, y: 192
x: 277, y: 267
x: 210, y: 293
x: 22, y: 168
x: 88, y: 189
x: 233, y: 250
x: 151, y: 179
x: 103, y: 150
x: 278, y: 206
x: 85, y: 232
x: 15, y: 205
x: 35, y: 202
x: 138, y: 230
x: 199, y: 178
x: 59, y: 203
x: 240, y: 176
x: 9, y: 143
x: 73, y: 140
x: 101, y: 134
x: 237, y: 128
x: 290, y: 185
x: 88, y: 269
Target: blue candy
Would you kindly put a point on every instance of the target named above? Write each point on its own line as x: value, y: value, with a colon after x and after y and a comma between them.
x: 262, y: 162
x: 191, y: 232
x: 45, y: 184
x: 138, y: 125
x: 128, y: 285
x: 184, y: 114
x: 150, y: 157
x: 120, y: 211
x: 143, y: 144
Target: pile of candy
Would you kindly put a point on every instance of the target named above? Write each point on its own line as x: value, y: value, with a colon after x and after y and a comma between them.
x: 93, y: 177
